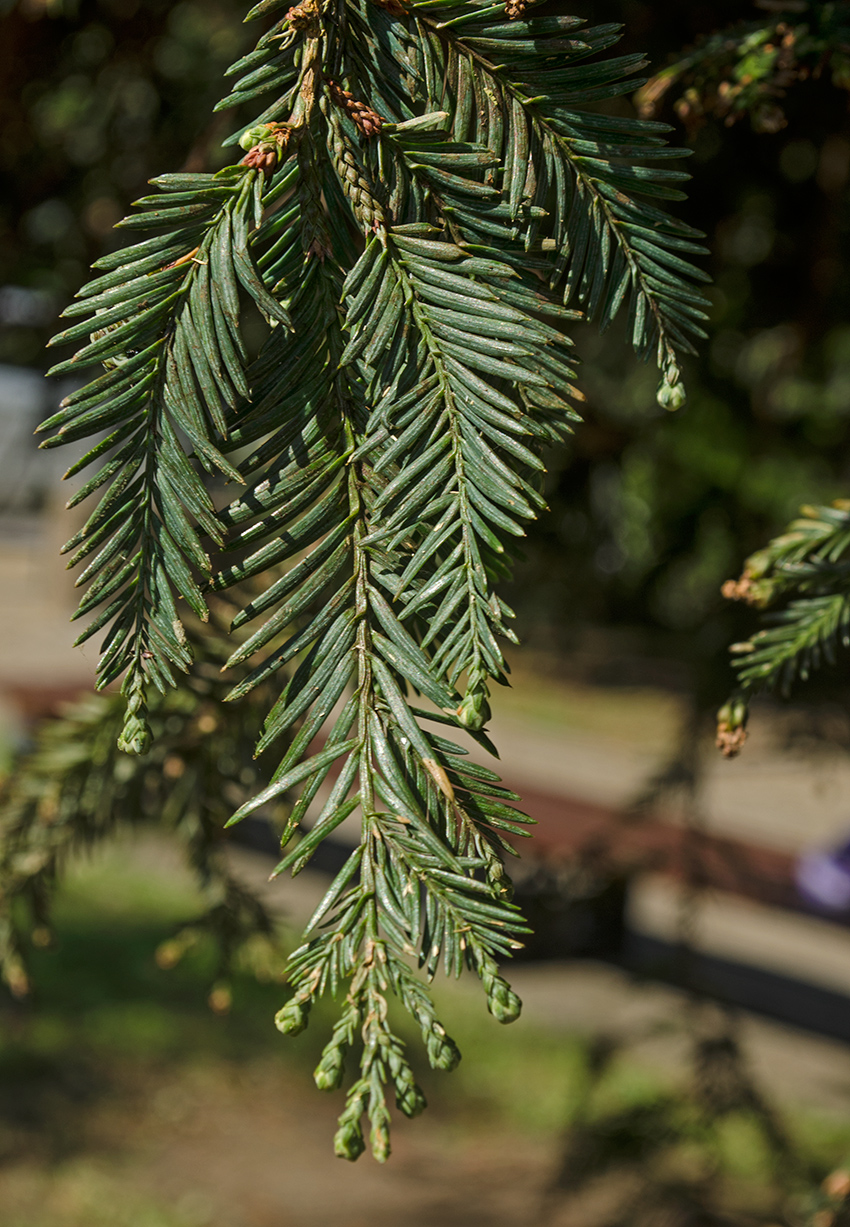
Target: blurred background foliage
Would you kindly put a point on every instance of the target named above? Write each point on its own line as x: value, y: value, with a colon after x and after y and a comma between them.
x: 95, y: 98
x: 650, y: 511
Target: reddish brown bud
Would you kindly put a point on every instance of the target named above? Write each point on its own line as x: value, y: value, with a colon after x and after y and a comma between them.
x: 395, y: 8
x: 729, y: 741
x: 261, y: 159
x: 365, y: 120
x: 749, y: 588
x: 737, y: 589
x: 270, y: 143
x: 515, y: 8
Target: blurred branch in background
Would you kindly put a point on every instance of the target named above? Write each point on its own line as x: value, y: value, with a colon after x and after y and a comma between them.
x: 662, y: 1161
x: 75, y: 788
x: 747, y: 69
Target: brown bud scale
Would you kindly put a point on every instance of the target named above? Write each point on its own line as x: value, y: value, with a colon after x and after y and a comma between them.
x: 730, y: 741
x: 737, y: 589
x: 266, y: 155
x: 305, y: 17
x: 261, y: 159
x: 367, y: 122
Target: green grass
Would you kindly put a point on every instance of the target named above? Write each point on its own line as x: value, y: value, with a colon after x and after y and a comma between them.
x: 99, y: 986
x: 81, y: 1193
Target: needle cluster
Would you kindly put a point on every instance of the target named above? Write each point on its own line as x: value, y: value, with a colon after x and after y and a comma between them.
x: 425, y: 203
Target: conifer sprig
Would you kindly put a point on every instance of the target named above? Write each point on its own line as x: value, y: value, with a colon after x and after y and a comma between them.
x: 807, y: 568
x: 518, y: 89
x: 423, y: 205
x: 75, y: 789
x: 164, y: 321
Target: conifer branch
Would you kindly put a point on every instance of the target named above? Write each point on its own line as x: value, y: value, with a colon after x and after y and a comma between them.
x: 513, y: 96
x: 76, y: 788
x: 809, y: 564
x: 806, y: 572
x: 392, y: 219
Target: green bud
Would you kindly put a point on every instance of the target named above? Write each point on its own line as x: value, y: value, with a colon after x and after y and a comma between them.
x: 443, y: 1052
x: 327, y: 1080
x: 330, y: 1071
x: 136, y: 736
x: 348, y: 1141
x: 256, y: 136
x: 671, y: 396
x: 408, y: 1096
x: 474, y: 710
x: 503, y: 1003
x: 379, y: 1140
x: 292, y: 1019
x: 733, y: 714
x: 409, y: 1099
